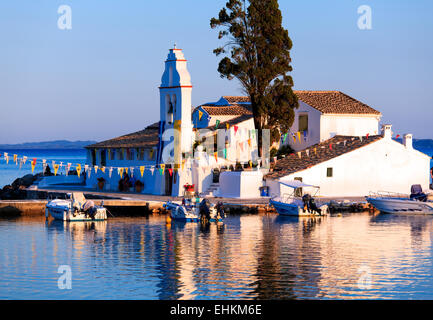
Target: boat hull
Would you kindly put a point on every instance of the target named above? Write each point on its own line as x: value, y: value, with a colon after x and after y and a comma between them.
x: 401, y: 206
x: 293, y: 210
x: 61, y: 210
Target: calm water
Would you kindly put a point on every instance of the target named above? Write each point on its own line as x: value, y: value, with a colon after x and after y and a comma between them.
x: 253, y: 256
x: 9, y: 172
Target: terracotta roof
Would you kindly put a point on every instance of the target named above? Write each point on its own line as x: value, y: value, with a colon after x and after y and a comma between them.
x: 292, y: 163
x: 227, y: 110
x: 146, y: 138
x: 232, y: 121
x: 236, y: 99
x: 334, y: 102
x: 330, y: 102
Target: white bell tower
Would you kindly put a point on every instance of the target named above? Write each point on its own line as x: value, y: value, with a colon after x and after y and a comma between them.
x: 175, y: 97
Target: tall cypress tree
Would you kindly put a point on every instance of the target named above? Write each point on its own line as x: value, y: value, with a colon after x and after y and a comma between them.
x: 257, y: 53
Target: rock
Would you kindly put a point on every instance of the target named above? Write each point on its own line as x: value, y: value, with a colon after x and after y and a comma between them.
x: 28, y: 180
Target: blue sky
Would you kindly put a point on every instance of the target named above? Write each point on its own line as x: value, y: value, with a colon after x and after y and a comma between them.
x: 100, y: 79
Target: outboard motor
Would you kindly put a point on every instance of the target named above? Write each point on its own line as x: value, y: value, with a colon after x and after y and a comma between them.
x: 314, y: 207
x: 220, y: 209
x: 306, y: 199
x: 417, y: 194
x: 204, y: 209
x: 90, y: 209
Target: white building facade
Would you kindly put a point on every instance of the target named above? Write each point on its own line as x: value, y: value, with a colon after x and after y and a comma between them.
x: 377, y: 163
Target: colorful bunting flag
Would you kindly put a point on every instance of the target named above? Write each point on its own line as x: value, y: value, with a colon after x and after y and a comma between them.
x: 56, y: 168
x: 142, y: 171
x: 200, y: 114
x: 217, y: 123
x: 78, y: 168
x: 33, y: 164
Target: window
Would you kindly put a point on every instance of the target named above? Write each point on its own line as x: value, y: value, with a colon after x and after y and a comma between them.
x: 121, y: 154
x: 303, y: 123
x: 141, y: 155
x: 329, y: 172
x: 103, y: 158
x: 112, y: 153
x: 93, y: 157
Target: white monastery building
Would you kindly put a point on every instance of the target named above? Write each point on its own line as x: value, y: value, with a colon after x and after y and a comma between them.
x: 336, y: 140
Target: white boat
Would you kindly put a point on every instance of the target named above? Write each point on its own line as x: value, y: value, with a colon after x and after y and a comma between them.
x: 186, y: 213
x: 190, y: 212
x: 389, y: 202
x: 293, y: 205
x: 76, y: 208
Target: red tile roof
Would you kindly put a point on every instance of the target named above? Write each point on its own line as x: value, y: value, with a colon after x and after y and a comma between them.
x: 232, y: 110
x: 292, y: 163
x: 328, y: 102
x: 334, y: 102
x: 146, y: 138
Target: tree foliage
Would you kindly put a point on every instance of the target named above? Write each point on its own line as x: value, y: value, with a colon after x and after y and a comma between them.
x: 257, y: 53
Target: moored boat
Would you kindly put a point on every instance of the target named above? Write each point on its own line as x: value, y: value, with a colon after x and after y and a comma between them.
x: 389, y: 202
x: 294, y: 205
x: 76, y: 208
x: 179, y: 212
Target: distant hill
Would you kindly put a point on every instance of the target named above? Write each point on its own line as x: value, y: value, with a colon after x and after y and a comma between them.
x: 59, y: 144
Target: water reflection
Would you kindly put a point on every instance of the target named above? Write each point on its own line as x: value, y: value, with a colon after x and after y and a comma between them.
x: 250, y: 256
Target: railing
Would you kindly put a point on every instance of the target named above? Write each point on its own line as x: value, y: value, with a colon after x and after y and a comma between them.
x: 387, y: 194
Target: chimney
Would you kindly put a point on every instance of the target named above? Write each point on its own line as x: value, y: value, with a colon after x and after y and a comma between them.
x: 407, y: 141
x: 386, y: 131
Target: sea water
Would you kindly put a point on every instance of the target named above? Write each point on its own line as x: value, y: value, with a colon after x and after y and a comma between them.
x: 356, y: 255
x: 10, y: 172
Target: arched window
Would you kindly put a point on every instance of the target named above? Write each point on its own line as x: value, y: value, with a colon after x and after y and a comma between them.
x: 170, y: 76
x: 174, y: 102
x: 169, y: 108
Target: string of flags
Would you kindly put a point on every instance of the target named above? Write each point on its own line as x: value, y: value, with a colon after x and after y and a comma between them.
x: 80, y: 169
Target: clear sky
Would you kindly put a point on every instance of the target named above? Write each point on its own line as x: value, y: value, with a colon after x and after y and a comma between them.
x: 100, y: 79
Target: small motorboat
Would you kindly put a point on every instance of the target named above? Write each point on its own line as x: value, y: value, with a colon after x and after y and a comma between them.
x: 76, y: 208
x: 183, y: 212
x: 389, y: 202
x: 190, y: 211
x: 294, y: 204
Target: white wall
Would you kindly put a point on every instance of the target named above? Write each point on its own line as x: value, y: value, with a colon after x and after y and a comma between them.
x: 240, y: 184
x: 313, y: 134
x: 385, y: 165
x: 50, y: 181
x: 348, y: 125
